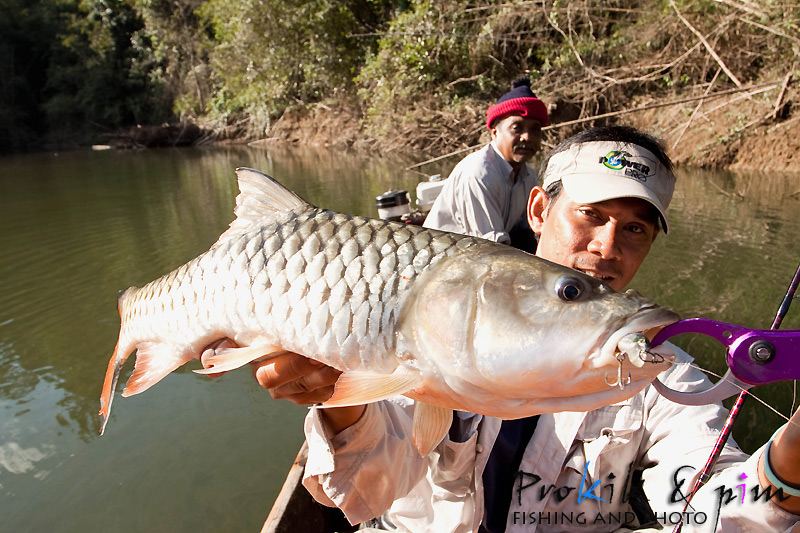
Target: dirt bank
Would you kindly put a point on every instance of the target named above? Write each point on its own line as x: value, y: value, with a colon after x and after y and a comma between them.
x: 736, y: 131
x: 332, y: 124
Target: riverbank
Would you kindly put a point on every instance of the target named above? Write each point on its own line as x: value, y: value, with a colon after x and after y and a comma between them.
x: 749, y: 129
x: 752, y: 127
x: 410, y: 77
x: 737, y: 131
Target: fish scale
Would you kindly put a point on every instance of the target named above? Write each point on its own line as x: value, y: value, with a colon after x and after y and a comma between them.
x: 287, y: 289
x: 344, y: 304
x: 454, y: 321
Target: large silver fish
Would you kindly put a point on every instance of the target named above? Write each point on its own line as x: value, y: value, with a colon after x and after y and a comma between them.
x: 454, y: 321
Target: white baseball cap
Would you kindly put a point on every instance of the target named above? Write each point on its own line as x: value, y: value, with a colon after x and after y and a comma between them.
x: 595, y: 171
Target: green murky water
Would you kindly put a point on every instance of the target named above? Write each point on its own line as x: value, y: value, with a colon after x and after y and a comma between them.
x: 193, y: 454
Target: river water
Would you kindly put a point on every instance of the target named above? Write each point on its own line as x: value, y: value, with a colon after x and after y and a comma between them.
x: 193, y: 454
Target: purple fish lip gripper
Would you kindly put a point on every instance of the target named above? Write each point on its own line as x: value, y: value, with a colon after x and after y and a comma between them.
x: 754, y: 357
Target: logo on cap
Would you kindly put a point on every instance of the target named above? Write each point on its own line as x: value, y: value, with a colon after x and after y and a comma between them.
x: 617, y: 160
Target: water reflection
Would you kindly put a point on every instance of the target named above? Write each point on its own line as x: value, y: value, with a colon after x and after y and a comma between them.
x: 76, y: 228
x: 731, y: 257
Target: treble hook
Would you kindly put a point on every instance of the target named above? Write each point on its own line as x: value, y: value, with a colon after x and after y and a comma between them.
x: 622, y: 383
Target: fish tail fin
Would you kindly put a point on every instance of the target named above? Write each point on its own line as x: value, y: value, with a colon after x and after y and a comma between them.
x: 110, y: 382
x: 122, y: 350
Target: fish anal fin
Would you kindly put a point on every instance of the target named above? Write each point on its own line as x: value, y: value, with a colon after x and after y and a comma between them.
x: 153, y: 362
x: 431, y: 424
x: 360, y: 387
x: 228, y: 359
x: 260, y: 196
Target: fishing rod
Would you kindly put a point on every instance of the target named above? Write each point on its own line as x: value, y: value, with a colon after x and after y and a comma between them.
x: 705, y: 473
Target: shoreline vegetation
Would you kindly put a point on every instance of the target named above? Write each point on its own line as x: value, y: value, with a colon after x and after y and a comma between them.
x: 716, y: 79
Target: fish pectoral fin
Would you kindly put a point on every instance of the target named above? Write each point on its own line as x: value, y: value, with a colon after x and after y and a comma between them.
x: 232, y: 358
x: 360, y: 387
x: 431, y: 424
x: 153, y: 362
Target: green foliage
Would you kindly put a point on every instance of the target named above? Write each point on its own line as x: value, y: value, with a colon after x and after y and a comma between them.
x: 96, y: 79
x: 268, y: 55
x: 73, y: 68
x: 450, y: 52
x: 178, y: 43
x: 23, y: 65
x: 446, y: 52
x: 70, y: 70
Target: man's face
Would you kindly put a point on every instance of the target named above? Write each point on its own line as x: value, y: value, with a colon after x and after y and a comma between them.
x: 517, y: 138
x: 606, y: 240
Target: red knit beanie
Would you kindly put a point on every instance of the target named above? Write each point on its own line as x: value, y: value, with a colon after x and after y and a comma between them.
x: 521, y: 101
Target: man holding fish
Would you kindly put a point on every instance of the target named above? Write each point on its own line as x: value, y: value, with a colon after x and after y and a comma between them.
x: 603, y: 201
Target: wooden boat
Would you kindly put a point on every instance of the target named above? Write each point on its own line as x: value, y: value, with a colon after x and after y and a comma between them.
x: 295, y: 510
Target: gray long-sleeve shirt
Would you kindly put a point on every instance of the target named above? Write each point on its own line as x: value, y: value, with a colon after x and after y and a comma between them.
x: 482, y: 197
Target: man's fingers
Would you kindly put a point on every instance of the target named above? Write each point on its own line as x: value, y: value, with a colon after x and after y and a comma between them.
x: 283, y: 368
x: 296, y: 378
x: 317, y: 385
x: 211, y: 350
x: 314, y: 397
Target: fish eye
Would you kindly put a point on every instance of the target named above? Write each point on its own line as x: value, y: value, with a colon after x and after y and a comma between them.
x: 570, y: 288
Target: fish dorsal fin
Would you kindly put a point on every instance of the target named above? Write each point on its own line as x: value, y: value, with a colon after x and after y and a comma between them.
x: 260, y: 196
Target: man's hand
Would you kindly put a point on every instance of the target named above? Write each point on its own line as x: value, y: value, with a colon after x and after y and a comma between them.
x: 286, y: 375
x: 290, y: 376
x: 784, y: 457
x: 211, y: 350
x: 304, y: 381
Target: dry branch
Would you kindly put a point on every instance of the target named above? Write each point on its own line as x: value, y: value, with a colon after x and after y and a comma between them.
x: 445, y: 156
x: 745, y: 8
x: 694, y: 113
x: 768, y: 29
x: 779, y: 100
x: 739, y: 98
x: 784, y: 124
x: 756, y: 88
x: 708, y: 46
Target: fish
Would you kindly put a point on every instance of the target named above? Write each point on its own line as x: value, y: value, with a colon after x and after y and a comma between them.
x: 455, y: 322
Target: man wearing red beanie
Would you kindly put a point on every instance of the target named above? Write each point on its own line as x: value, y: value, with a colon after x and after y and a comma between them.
x: 487, y: 192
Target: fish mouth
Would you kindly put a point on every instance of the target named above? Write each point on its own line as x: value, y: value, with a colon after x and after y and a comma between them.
x: 648, y: 317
